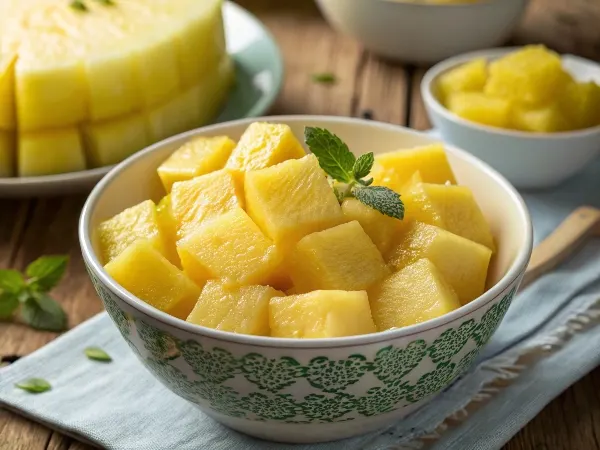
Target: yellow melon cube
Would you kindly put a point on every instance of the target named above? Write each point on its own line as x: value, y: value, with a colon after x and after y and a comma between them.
x: 545, y: 119
x: 243, y: 310
x: 148, y: 275
x: 7, y: 154
x: 50, y: 152
x: 111, y: 76
x: 415, y: 179
x: 468, y: 77
x: 581, y: 103
x: 413, y: 295
x: 111, y: 141
x: 292, y: 199
x: 202, y: 198
x: 134, y: 223
x: 181, y: 113
x: 49, y: 94
x: 321, y: 314
x: 463, y: 263
x: 342, y: 257
x: 379, y: 227
x: 168, y: 229
x: 452, y: 208
x: 199, y: 156
x: 394, y: 169
x: 230, y: 246
x: 532, y: 75
x: 263, y: 145
x: 7, y: 92
x: 480, y: 108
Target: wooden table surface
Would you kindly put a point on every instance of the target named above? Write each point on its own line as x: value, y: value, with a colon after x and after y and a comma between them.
x: 30, y: 228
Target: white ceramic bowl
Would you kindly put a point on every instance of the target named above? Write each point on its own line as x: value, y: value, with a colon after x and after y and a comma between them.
x: 296, y: 390
x: 527, y: 160
x: 424, y: 33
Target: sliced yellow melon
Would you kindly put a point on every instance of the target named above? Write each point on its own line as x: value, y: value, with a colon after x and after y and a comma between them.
x: 111, y: 141
x: 413, y: 295
x: 242, y: 309
x: 291, y: 199
x: 50, y: 152
x: 148, y: 275
x: 468, y: 77
x: 229, y: 246
x: 196, y: 157
x: 545, y: 119
x: 7, y: 153
x: 394, y: 169
x: 321, y: 314
x: 203, y: 198
x: 7, y: 91
x: 463, y: 263
x: 480, y: 108
x: 168, y: 229
x: 340, y: 258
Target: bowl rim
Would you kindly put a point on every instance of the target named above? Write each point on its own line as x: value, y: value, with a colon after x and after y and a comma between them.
x: 464, y: 5
x: 431, y: 100
x: 516, y: 269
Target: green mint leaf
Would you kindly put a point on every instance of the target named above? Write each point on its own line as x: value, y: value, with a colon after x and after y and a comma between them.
x: 78, y: 5
x: 34, y: 385
x: 324, y: 78
x: 42, y: 312
x: 334, y: 156
x: 363, y: 165
x: 97, y: 354
x: 340, y: 195
x: 365, y: 182
x: 11, y: 281
x: 46, y: 272
x: 8, y: 305
x: 382, y: 199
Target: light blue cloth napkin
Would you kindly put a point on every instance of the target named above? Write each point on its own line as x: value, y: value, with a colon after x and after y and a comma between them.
x: 548, y: 340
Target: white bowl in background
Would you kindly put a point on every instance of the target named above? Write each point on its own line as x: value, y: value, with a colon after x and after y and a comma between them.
x: 528, y: 160
x: 424, y: 33
x: 311, y: 390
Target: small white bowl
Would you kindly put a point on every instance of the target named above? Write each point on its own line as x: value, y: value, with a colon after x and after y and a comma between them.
x: 528, y: 160
x: 424, y: 33
x: 311, y: 390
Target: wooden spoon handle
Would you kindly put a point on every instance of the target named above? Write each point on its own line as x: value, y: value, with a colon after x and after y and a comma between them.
x: 563, y: 241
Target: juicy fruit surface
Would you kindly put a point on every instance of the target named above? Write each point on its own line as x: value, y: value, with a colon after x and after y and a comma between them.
x: 230, y: 246
x: 394, y: 169
x: 321, y: 314
x: 168, y: 229
x: 203, y: 198
x: 463, y: 263
x: 263, y: 145
x: 412, y: 295
x: 526, y: 90
x: 339, y: 258
x: 197, y: 157
x: 237, y: 309
x: 105, y: 71
x: 452, y: 208
x: 292, y: 199
x: 138, y: 222
x: 147, y: 274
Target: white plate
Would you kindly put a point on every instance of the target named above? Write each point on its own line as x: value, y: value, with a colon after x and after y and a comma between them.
x: 259, y: 71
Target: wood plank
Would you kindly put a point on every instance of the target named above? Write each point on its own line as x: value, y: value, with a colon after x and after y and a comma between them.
x: 419, y: 120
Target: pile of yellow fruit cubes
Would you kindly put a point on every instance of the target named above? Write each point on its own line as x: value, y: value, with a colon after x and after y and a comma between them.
x: 526, y: 90
x: 86, y: 83
x: 251, y: 238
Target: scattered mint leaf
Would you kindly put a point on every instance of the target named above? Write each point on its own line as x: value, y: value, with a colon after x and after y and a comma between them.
x: 97, y: 354
x: 34, y: 385
x: 11, y: 281
x: 46, y: 272
x: 324, y: 78
x: 333, y: 154
x: 382, y: 199
x: 363, y: 165
x: 42, y: 312
x: 78, y: 5
x: 8, y: 305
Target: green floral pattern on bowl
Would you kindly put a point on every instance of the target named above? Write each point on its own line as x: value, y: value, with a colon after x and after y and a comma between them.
x: 325, y: 388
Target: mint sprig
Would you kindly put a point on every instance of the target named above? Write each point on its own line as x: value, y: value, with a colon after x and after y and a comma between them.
x: 336, y: 159
x: 28, y: 297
